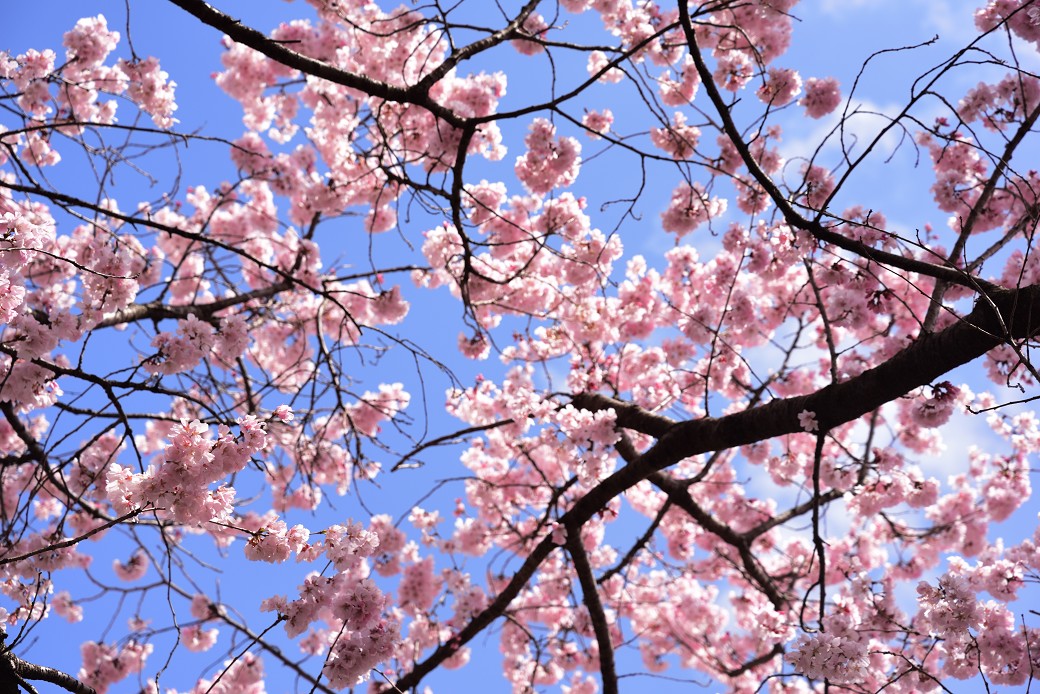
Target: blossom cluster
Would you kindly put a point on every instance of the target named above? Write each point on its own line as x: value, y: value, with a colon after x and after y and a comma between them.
x: 237, y: 316
x: 179, y: 483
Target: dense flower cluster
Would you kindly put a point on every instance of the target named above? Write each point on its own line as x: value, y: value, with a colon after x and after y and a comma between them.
x: 772, y: 532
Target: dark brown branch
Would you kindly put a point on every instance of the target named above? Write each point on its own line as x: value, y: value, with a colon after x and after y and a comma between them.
x: 447, y: 438
x: 31, y: 671
x: 680, y: 496
x: 590, y: 596
x: 37, y: 453
x: 247, y: 36
x: 776, y: 650
x: 156, y: 310
x: 510, y: 30
x: 1001, y: 314
x: 14, y: 671
x: 629, y: 416
x: 968, y: 227
x: 54, y: 546
x: 791, y: 216
x: 638, y: 545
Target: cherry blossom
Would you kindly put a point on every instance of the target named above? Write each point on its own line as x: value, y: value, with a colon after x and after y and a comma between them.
x: 598, y: 122
x: 133, y: 569
x: 690, y: 208
x: 418, y: 395
x: 836, y: 658
x: 781, y: 87
x: 550, y: 161
x: 821, y: 96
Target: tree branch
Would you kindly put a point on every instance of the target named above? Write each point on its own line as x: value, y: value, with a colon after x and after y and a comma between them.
x: 791, y: 216
x: 590, y: 596
x: 31, y: 671
x: 247, y: 36
x: 1000, y: 315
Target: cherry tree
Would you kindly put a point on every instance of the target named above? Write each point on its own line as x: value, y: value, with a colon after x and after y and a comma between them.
x: 705, y: 458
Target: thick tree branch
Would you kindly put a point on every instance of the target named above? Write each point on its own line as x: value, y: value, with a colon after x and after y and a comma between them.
x: 31, y: 671
x: 14, y: 672
x: 156, y: 310
x: 247, y: 36
x: 629, y: 415
x: 998, y: 316
x: 590, y: 596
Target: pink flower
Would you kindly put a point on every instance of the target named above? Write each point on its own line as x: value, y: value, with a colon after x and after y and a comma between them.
x: 950, y: 607
x: 598, y: 122
x: 360, y: 608
x: 389, y: 308
x: 782, y: 85
x: 352, y: 658
x: 202, y: 608
x: 104, y: 665
x: 936, y: 410
x: 198, y: 640
x: 690, y: 207
x: 346, y: 545
x: 419, y: 586
x: 242, y: 675
x: 598, y: 61
x: 476, y: 347
x: 559, y: 534
x: 12, y: 295
x: 836, y: 658
x: 807, y: 421
x: 821, y: 96
x: 679, y: 140
x: 151, y: 89
x: 550, y: 162
x: 64, y: 606
x: 284, y: 413
x: 274, y: 542
x: 681, y: 90
x: 535, y: 27
x: 133, y: 569
x: 90, y: 41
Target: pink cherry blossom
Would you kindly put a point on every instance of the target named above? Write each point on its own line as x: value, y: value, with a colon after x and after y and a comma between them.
x: 197, y: 639
x: 535, y: 27
x: 822, y: 96
x: 598, y: 122
x: 598, y: 65
x: 948, y: 607
x: 64, y: 606
x: 836, y: 658
x: 679, y: 140
x: 690, y: 208
x: 780, y: 87
x: 550, y: 162
x: 151, y: 88
x: 807, y: 421
x: 105, y: 665
x: 132, y: 570
x: 440, y: 402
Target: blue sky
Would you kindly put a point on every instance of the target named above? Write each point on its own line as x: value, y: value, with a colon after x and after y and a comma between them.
x: 836, y: 36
